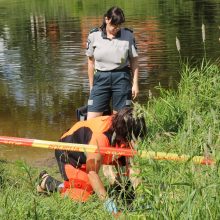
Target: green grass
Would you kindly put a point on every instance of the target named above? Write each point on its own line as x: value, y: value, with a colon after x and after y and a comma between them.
x: 183, y: 121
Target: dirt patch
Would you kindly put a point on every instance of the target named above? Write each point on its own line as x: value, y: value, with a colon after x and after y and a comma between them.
x: 45, y: 162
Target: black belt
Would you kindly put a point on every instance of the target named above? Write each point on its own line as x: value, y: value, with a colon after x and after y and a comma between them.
x: 124, y: 69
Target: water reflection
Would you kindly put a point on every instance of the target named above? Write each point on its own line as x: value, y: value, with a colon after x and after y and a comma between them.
x: 43, y: 67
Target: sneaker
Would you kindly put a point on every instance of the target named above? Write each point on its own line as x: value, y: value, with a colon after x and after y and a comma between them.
x: 41, y: 187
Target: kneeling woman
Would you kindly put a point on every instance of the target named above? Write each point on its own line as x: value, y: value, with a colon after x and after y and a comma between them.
x: 80, y: 170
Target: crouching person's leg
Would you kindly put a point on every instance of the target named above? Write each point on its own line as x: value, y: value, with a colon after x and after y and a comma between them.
x: 62, y: 158
x: 47, y: 184
x: 76, y: 184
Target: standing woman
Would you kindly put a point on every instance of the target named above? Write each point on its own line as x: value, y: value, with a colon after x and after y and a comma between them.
x: 112, y: 65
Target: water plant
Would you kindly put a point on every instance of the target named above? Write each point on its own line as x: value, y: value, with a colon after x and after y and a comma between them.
x: 203, y: 39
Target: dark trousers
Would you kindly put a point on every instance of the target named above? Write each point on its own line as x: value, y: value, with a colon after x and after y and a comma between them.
x: 76, y: 159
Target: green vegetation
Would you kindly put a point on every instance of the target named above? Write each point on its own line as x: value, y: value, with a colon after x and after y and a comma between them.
x: 186, y: 122
x: 183, y: 121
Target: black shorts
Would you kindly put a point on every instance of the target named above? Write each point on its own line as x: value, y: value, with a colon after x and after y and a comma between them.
x: 110, y: 85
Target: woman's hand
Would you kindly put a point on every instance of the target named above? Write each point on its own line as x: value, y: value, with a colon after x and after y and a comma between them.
x: 135, y: 72
x: 135, y: 91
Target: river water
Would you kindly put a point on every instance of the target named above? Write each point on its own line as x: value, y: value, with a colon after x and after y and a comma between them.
x: 43, y: 67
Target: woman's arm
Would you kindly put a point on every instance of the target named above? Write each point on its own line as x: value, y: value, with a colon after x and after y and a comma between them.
x: 135, y: 72
x: 91, y: 70
x: 93, y: 164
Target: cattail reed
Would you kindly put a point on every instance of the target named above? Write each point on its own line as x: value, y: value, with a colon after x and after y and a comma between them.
x: 150, y: 95
x: 178, y: 44
x: 203, y: 33
x: 203, y: 39
x: 219, y: 38
x: 178, y: 48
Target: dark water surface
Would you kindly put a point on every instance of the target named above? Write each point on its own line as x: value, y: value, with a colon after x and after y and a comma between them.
x: 43, y: 67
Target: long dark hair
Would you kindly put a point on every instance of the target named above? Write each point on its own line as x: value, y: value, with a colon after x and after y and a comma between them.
x: 127, y: 127
x: 116, y: 15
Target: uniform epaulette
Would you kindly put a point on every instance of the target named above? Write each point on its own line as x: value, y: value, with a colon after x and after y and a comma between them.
x: 127, y: 29
x: 94, y: 30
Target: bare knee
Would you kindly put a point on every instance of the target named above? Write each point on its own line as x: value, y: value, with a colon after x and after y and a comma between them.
x: 93, y: 114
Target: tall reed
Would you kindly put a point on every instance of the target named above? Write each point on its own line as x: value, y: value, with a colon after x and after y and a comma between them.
x: 203, y: 39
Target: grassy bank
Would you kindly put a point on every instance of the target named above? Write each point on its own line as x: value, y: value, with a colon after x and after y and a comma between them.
x: 183, y: 121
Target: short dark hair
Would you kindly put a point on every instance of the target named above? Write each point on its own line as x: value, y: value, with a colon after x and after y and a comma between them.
x: 127, y: 127
x: 116, y: 15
